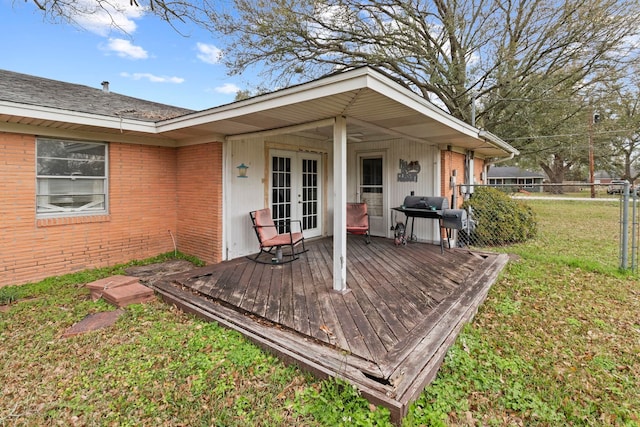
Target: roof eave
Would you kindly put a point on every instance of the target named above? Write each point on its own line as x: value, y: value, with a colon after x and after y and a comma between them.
x: 75, y: 117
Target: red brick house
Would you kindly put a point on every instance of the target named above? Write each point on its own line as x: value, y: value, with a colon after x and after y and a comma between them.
x: 91, y: 178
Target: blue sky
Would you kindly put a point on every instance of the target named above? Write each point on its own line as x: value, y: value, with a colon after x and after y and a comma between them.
x: 152, y: 61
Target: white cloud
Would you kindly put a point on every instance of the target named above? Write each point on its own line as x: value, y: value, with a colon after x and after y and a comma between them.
x: 103, y: 17
x: 153, y: 78
x: 227, y: 88
x: 209, y: 53
x: 125, y: 49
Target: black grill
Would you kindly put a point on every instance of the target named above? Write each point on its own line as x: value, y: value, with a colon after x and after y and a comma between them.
x: 426, y: 202
x: 455, y: 219
x: 434, y: 208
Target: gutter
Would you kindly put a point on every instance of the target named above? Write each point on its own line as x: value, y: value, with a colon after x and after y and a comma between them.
x: 489, y: 137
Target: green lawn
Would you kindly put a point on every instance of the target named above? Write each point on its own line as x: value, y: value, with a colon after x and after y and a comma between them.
x: 556, y: 343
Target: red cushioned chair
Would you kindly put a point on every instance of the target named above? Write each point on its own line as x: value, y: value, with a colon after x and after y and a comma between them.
x: 270, y: 238
x: 358, y: 220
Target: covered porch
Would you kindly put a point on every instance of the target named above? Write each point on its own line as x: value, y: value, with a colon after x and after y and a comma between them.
x: 387, y: 334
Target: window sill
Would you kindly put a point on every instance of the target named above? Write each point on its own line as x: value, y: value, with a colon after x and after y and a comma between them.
x: 71, y: 220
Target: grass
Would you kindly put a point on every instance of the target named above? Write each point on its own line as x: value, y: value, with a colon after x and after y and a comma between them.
x: 556, y: 343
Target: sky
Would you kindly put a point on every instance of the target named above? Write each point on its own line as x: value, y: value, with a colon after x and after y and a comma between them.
x: 151, y: 61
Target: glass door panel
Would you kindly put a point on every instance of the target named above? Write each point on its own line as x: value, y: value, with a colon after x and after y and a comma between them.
x: 296, y: 189
x: 371, y: 191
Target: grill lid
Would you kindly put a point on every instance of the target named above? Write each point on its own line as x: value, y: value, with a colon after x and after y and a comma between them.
x: 426, y: 202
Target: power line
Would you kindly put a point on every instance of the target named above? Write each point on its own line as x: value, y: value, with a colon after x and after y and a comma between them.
x: 570, y: 134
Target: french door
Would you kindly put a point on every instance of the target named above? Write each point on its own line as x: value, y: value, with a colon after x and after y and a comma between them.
x: 295, y: 185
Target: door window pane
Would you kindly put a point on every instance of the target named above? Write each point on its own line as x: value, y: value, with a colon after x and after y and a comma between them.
x: 281, y: 192
x: 371, y: 184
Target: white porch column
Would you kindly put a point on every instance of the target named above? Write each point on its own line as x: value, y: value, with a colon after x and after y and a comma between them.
x: 340, y: 205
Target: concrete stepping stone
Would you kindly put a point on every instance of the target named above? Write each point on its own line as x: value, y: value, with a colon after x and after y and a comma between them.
x: 133, y: 293
x: 98, y: 287
x: 93, y: 322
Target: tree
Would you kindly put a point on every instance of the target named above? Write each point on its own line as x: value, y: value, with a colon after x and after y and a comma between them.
x: 527, y: 66
x: 547, y: 127
x: 449, y: 51
x: 623, y: 129
x: 73, y: 10
x: 491, y: 54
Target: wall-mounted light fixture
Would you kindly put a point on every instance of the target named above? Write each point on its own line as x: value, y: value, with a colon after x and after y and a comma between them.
x: 242, y: 170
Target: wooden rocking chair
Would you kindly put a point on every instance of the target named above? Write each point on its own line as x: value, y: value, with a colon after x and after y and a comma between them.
x: 358, y: 220
x: 270, y: 238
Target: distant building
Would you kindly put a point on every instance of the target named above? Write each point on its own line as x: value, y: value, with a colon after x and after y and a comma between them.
x: 515, y: 178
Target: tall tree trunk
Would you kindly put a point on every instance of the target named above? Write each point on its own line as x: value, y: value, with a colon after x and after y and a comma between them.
x: 556, y: 171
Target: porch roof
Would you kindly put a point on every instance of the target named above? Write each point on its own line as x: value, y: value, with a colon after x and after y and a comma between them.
x: 374, y: 105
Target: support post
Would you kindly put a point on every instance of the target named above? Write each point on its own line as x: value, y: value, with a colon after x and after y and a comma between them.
x: 624, y: 227
x: 340, y: 205
x: 593, y: 118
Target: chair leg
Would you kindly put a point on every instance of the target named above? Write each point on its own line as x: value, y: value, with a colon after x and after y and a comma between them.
x: 294, y: 255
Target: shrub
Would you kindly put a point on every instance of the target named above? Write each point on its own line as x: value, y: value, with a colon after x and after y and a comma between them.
x: 499, y: 219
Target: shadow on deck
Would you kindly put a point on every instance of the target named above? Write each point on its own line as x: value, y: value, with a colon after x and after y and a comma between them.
x: 388, y: 335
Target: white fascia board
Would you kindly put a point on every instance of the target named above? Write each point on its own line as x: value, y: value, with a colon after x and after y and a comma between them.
x: 322, y: 88
x: 489, y: 137
x: 75, y: 117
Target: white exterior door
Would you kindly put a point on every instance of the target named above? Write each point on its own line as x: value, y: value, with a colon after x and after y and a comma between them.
x: 295, y: 184
x: 371, y: 190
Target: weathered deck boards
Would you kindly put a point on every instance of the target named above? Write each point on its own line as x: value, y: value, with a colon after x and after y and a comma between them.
x: 388, y: 335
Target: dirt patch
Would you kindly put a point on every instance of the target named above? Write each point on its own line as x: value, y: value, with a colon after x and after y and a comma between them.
x: 152, y: 273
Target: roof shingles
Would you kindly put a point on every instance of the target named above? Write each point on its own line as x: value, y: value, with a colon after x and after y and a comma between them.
x: 38, y: 91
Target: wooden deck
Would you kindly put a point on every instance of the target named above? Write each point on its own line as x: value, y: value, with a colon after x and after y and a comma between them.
x: 388, y: 334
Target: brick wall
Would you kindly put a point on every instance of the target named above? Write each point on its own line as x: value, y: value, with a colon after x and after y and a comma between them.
x: 451, y: 161
x: 455, y: 161
x: 143, y: 208
x: 478, y: 168
x: 200, y: 201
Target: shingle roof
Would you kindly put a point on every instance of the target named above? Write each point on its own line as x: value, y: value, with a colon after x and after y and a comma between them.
x: 38, y: 91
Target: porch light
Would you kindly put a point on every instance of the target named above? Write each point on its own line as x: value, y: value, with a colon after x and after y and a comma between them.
x: 242, y: 170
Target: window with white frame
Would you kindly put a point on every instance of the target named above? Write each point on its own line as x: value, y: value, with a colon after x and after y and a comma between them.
x: 71, y: 177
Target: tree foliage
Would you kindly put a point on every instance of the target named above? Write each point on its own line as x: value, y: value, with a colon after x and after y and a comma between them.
x: 622, y: 126
x: 524, y: 70
x: 449, y: 51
